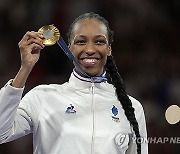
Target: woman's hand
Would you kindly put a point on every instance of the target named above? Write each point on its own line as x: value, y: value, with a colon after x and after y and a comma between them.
x: 30, y: 47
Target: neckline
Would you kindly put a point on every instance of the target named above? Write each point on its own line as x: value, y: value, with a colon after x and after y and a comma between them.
x: 93, y: 79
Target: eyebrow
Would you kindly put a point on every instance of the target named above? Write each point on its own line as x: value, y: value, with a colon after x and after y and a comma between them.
x: 79, y: 36
x: 97, y: 36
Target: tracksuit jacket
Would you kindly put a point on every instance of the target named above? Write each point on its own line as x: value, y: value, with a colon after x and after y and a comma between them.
x: 77, y: 117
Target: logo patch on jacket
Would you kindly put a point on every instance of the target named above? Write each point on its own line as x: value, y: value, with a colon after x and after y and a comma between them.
x: 115, y: 113
x: 70, y: 109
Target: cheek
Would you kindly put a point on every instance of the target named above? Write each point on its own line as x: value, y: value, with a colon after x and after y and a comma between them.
x: 103, y: 61
x: 105, y: 53
x: 105, y: 50
x: 73, y: 50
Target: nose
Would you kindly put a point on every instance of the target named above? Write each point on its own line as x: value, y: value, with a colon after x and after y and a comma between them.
x: 90, y: 49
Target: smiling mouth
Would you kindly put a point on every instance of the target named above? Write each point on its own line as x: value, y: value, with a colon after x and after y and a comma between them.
x: 89, y: 61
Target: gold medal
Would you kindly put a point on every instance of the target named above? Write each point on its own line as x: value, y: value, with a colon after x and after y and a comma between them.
x: 51, y: 34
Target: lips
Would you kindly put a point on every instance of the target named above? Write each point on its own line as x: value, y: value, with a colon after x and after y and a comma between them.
x: 89, y: 61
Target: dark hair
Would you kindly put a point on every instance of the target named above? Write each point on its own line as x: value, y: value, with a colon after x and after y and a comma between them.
x: 123, y: 97
x: 92, y: 15
x: 114, y: 76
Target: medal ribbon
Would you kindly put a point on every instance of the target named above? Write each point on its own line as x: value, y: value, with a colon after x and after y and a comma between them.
x: 66, y: 50
x: 49, y: 30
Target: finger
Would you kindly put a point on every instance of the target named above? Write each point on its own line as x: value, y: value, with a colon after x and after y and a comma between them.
x: 37, y: 41
x: 32, y: 34
x: 36, y: 50
x: 34, y: 45
x: 28, y: 36
x: 29, y: 49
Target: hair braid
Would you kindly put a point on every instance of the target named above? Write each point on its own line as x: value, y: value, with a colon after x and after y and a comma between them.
x: 115, y: 76
x: 123, y: 97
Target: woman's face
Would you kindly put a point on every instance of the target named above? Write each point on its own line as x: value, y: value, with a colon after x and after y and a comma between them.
x: 89, y: 44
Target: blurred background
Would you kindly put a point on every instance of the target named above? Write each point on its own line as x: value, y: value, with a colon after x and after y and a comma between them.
x: 146, y: 49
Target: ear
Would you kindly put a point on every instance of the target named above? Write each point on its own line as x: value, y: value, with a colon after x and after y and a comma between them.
x: 109, y: 50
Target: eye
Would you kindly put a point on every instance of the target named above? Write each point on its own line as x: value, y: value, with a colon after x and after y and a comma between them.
x: 100, y: 42
x: 80, y: 42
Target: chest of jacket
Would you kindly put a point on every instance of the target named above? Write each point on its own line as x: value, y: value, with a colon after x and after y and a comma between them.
x: 83, y: 117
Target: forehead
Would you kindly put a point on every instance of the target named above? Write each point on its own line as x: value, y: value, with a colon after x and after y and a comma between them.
x: 88, y: 27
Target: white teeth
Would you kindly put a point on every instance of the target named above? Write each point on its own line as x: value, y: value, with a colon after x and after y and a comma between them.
x: 89, y: 60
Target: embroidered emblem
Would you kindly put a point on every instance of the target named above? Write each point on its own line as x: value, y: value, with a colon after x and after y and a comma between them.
x: 70, y: 109
x: 115, y: 113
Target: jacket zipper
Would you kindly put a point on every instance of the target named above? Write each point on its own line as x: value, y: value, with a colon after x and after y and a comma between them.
x: 93, y: 122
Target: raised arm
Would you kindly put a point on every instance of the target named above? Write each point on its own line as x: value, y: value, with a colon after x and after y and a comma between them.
x: 15, y: 122
x: 30, y: 47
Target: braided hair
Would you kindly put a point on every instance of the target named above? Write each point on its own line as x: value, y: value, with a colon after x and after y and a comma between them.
x: 123, y: 97
x: 114, y: 76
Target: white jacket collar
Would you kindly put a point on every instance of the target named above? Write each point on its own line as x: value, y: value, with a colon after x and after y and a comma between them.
x: 94, y: 79
x: 78, y: 83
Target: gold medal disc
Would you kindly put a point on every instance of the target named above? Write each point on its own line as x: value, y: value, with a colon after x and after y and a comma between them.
x: 51, y: 34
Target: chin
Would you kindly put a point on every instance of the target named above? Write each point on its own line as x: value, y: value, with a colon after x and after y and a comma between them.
x: 93, y: 72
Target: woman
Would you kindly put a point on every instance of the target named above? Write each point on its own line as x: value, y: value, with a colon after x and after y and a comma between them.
x: 86, y: 115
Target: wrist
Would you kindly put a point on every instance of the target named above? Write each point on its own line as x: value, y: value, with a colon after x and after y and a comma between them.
x: 21, y: 77
x: 26, y: 68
